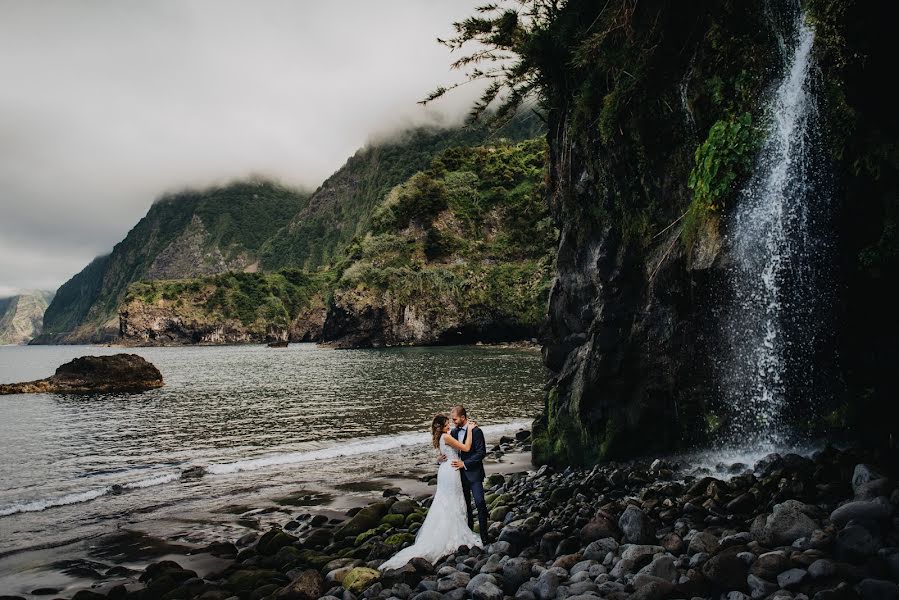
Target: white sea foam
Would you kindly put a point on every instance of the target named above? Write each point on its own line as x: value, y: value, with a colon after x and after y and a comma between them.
x: 44, y: 504
x: 150, y: 482
x: 339, y: 449
x: 350, y: 448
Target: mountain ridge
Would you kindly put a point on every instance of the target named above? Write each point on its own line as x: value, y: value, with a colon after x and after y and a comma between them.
x: 21, y: 315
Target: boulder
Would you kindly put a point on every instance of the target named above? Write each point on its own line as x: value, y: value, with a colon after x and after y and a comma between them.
x: 878, y: 589
x: 787, y: 523
x: 726, y: 571
x: 635, y: 526
x: 639, y: 553
x: 602, y: 525
x: 308, y: 585
x: 661, y: 568
x: 487, y: 591
x: 650, y: 588
x: 855, y: 544
x: 597, y: 550
x: 863, y: 474
x: 274, y: 540
x: 547, y: 585
x: 872, y: 489
x: 515, y: 572
x: 516, y: 536
x: 247, y: 580
x: 403, y: 507
x: 367, y: 518
x: 860, y: 510
x: 94, y: 374
x: 759, y: 587
x: 703, y: 542
x: 567, y: 561
x: 771, y: 564
x: 822, y: 568
x: 673, y: 543
x: 453, y: 581
x: 791, y: 578
x: 360, y: 578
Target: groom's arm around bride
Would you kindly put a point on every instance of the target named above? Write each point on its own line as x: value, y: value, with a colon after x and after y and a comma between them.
x: 471, y: 470
x: 474, y: 462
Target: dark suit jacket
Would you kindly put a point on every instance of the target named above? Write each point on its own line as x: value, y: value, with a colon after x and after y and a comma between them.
x: 474, y: 458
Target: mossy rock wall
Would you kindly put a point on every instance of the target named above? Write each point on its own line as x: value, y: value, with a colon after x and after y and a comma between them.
x: 652, y: 120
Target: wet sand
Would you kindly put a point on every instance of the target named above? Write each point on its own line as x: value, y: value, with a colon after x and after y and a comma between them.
x: 104, y: 561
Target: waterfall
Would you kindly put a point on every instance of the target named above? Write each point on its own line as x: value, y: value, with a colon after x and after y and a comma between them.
x: 778, y: 279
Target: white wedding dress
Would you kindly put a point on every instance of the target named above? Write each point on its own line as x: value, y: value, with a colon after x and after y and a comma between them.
x: 446, y: 526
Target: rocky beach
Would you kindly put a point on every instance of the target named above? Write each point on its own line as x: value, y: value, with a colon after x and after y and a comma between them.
x: 691, y: 209
x: 820, y: 527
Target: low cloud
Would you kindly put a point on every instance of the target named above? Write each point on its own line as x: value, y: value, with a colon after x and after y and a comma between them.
x: 107, y: 105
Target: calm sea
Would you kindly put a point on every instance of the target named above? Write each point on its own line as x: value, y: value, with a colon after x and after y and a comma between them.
x: 273, y: 429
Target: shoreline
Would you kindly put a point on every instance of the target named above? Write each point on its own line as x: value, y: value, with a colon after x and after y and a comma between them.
x: 788, y: 527
x: 509, y: 345
x: 71, y: 566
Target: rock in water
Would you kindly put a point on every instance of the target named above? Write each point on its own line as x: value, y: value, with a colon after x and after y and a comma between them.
x: 94, y: 374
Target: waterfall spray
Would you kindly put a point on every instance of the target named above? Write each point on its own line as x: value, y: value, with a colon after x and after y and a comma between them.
x: 778, y: 240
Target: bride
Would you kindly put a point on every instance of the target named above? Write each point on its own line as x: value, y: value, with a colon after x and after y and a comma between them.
x: 446, y: 526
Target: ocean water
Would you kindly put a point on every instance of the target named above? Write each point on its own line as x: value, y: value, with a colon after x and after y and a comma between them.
x: 275, y: 431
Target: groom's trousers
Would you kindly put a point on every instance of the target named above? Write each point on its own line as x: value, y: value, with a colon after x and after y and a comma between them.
x: 476, y: 489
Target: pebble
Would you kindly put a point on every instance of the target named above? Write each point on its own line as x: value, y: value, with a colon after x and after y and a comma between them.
x: 611, y: 531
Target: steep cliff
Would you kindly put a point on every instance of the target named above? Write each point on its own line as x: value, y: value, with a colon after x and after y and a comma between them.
x: 189, y: 234
x: 21, y: 316
x: 342, y: 206
x: 657, y: 112
x: 459, y: 253
x: 232, y: 308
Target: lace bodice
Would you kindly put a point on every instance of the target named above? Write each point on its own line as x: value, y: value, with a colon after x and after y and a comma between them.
x: 450, y: 452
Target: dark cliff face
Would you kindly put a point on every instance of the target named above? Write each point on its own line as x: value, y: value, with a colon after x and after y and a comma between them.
x: 634, y: 339
x: 628, y: 310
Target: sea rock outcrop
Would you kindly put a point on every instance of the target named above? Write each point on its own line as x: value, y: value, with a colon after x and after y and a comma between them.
x: 370, y: 319
x: 166, y: 323
x: 94, y: 374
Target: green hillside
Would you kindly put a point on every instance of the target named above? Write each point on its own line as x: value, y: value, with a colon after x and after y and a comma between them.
x: 341, y: 208
x: 183, y: 235
x: 465, y: 246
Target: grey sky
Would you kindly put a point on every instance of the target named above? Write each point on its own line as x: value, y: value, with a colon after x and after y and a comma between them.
x: 106, y: 105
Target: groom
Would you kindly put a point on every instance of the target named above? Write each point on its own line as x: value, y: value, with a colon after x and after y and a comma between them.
x: 471, y: 468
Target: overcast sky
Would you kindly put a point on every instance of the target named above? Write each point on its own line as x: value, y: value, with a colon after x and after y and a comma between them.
x: 104, y: 105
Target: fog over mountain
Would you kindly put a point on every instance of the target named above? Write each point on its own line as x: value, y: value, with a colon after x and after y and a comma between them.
x: 107, y: 105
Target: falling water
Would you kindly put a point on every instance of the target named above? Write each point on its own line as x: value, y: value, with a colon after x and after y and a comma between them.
x: 778, y: 239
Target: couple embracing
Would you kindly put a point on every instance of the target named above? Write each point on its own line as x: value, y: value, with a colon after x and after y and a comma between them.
x: 459, y: 478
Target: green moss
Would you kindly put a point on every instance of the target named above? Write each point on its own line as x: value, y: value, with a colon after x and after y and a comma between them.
x: 713, y: 423
x: 393, y: 520
x: 398, y: 539
x: 415, y: 517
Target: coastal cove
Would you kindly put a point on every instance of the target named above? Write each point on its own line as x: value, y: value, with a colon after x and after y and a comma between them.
x: 238, y: 437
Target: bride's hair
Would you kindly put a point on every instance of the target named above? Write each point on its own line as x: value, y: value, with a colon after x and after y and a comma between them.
x: 437, y: 428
